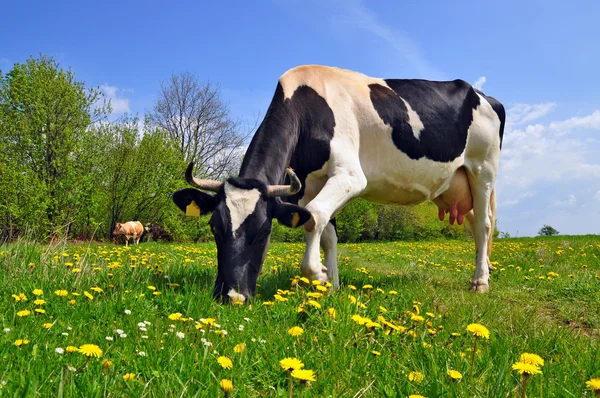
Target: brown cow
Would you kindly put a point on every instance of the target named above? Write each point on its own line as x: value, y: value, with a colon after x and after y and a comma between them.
x: 130, y: 229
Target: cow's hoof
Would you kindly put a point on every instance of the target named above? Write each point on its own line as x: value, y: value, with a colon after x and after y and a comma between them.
x: 479, y: 286
x: 318, y: 276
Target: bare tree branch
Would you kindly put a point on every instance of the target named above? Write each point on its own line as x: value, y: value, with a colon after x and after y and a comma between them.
x: 198, y: 120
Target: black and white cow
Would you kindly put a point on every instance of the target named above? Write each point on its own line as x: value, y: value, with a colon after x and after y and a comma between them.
x: 348, y: 135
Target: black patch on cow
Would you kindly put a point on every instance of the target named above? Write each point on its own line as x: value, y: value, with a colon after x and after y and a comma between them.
x: 499, y: 109
x: 295, y: 132
x: 249, y: 183
x: 445, y: 109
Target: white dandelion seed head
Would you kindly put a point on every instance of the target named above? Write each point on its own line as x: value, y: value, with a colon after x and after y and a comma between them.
x: 6, y: 330
x: 59, y: 350
x: 141, y: 324
x: 69, y: 328
x: 72, y: 369
x: 180, y: 335
x: 141, y: 353
x: 241, y: 328
x: 127, y: 312
x: 147, y: 323
x: 119, y: 331
x: 123, y: 335
x: 65, y: 333
x: 248, y: 320
x: 109, y: 338
x: 144, y: 337
x: 142, y: 329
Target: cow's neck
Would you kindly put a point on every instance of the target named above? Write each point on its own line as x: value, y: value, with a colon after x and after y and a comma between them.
x: 271, y: 148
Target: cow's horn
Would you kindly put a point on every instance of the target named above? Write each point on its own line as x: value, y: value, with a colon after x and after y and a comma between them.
x: 286, y: 190
x: 207, y: 185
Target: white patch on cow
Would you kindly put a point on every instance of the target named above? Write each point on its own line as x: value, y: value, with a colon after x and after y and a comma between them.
x: 235, y: 296
x: 241, y: 203
x: 414, y: 120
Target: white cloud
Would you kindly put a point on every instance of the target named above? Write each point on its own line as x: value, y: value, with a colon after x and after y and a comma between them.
x: 520, y: 114
x: 118, y: 104
x: 591, y: 122
x: 479, y: 83
x: 569, y: 202
x: 597, y: 196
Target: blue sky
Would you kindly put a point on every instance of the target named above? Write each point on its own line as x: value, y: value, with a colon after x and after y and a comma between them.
x: 539, y: 58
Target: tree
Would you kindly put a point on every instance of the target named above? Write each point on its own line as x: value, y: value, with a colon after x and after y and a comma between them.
x: 196, y: 118
x: 44, y: 111
x: 547, y: 230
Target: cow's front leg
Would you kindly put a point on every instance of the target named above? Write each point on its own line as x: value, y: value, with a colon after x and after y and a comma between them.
x: 329, y: 246
x: 336, y: 193
x: 127, y: 240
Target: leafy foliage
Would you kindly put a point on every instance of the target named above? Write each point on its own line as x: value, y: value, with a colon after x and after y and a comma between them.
x: 547, y: 230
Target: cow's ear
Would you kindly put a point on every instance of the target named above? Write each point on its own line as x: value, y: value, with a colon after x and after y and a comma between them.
x: 291, y: 215
x: 193, y: 202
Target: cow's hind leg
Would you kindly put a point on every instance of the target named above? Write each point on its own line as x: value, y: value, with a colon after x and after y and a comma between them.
x: 329, y: 246
x: 338, y: 191
x: 481, y: 180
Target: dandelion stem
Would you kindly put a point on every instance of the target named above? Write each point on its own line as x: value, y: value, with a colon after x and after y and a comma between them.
x: 82, y: 366
x: 291, y: 384
x: 524, y: 385
x: 473, y: 357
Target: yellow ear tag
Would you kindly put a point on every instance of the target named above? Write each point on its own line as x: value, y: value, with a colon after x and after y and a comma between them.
x: 192, y: 210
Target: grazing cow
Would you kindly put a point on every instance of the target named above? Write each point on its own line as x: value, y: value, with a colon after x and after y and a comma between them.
x: 157, y: 232
x: 347, y: 135
x: 130, y: 229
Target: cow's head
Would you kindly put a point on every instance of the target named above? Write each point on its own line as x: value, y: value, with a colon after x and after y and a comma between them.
x: 119, y: 229
x: 242, y: 212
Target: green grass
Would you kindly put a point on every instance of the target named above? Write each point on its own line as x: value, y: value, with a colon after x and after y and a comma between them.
x: 557, y: 318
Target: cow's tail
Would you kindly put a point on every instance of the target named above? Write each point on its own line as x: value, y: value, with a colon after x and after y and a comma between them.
x: 493, y: 221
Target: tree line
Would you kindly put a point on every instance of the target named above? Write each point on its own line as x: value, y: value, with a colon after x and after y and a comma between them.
x: 68, y: 171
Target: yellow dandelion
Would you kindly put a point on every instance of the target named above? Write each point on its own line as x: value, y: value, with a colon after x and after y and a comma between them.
x: 71, y: 348
x: 526, y: 368
x: 316, y: 282
x: 40, y: 310
x: 295, y: 331
x: 176, y: 316
x: 38, y: 292
x: 291, y: 364
x: 305, y: 280
x: 268, y: 303
x: 21, y: 342
x: 478, y: 330
x: 23, y: 313
x: 47, y: 325
x: 225, y: 362
x: 91, y: 350
x: 376, y: 353
x: 331, y: 312
x: 226, y: 385
x: 415, y: 396
x: 129, y: 376
x: 96, y: 289
x: 417, y: 318
x: 61, y: 293
x: 367, y: 287
x: 107, y: 364
x: 315, y: 304
x: 532, y: 359
x: 315, y: 295
x: 417, y: 377
x: 239, y: 348
x: 39, y: 302
x: 322, y: 288
x: 351, y: 287
x: 593, y: 384
x: 88, y: 295
x: 454, y: 374
x: 279, y: 297
x: 303, y: 374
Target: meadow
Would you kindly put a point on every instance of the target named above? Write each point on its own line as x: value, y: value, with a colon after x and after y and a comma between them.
x: 104, y: 320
